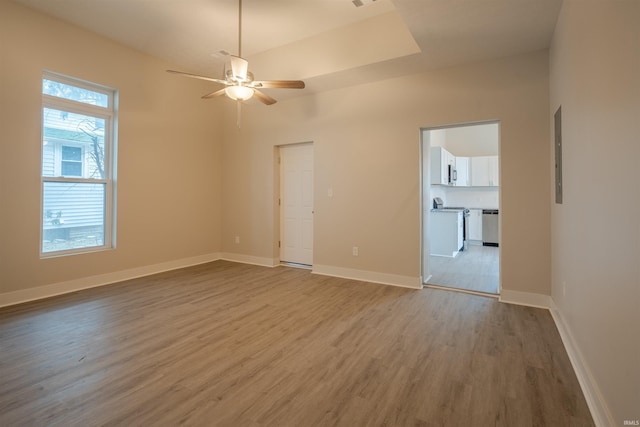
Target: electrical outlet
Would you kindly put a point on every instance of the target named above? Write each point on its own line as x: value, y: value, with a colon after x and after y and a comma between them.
x: 355, y: 251
x: 237, y: 240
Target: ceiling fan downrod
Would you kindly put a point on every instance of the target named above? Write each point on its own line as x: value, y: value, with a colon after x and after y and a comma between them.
x: 240, y: 28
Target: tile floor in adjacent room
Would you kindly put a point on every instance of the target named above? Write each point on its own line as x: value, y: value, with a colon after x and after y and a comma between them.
x: 477, y: 268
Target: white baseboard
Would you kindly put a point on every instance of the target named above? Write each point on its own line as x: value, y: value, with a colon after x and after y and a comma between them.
x: 368, y: 276
x: 250, y: 259
x: 46, y: 291
x: 525, y: 298
x: 599, y: 410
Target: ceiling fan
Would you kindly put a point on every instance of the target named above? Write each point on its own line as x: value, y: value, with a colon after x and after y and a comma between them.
x: 238, y: 80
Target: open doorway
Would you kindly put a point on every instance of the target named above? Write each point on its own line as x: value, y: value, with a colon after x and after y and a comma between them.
x: 461, y: 213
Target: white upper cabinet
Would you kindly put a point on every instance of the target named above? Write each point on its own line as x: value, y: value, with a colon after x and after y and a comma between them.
x: 462, y: 167
x: 494, y: 171
x: 480, y: 171
x: 441, y: 159
x: 485, y: 171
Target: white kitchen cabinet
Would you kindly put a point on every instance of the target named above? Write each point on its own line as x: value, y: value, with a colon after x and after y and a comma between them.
x: 494, y: 171
x: 462, y: 167
x: 480, y: 171
x: 451, y: 159
x: 446, y: 232
x: 475, y: 224
x: 441, y: 159
x: 485, y: 171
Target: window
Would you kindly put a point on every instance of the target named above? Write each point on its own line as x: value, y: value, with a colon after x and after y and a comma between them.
x: 78, y: 146
x: 71, y: 161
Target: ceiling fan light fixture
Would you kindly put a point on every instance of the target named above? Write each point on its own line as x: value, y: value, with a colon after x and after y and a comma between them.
x: 239, y: 93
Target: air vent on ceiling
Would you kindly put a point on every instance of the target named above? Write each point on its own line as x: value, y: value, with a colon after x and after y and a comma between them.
x: 359, y: 3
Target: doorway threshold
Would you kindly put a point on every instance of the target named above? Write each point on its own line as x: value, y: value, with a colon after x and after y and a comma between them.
x: 463, y: 291
x: 296, y: 265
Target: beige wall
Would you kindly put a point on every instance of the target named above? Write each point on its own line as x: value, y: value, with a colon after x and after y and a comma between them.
x: 168, y: 163
x: 366, y: 141
x: 595, y: 77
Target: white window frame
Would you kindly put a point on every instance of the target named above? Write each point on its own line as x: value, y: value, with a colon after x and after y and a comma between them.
x: 109, y: 114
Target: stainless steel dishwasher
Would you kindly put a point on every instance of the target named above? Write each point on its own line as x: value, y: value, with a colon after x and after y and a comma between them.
x: 490, y: 227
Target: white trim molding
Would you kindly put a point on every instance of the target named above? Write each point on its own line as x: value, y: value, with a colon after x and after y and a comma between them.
x: 46, y: 291
x: 250, y: 259
x: 462, y: 291
x: 369, y: 276
x: 525, y: 298
x: 599, y: 410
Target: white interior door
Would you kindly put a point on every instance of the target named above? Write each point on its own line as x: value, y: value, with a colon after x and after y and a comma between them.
x: 296, y: 204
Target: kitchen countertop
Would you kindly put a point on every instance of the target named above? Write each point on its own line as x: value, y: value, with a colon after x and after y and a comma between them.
x: 486, y: 207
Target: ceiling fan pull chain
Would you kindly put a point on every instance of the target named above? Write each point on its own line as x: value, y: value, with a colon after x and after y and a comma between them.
x: 238, y: 113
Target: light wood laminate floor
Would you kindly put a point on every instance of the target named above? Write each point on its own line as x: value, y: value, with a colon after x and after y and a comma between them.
x: 225, y: 344
x: 477, y: 268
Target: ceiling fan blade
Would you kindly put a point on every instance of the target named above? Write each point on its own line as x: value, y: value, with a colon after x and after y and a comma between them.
x: 214, y: 94
x: 264, y: 98
x: 279, y: 84
x: 239, y: 67
x: 195, y: 76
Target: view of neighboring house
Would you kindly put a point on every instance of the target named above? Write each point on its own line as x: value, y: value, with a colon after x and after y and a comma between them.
x: 73, y: 212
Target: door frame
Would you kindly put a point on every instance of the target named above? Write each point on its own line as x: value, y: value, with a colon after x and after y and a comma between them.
x: 278, y: 211
x: 425, y: 195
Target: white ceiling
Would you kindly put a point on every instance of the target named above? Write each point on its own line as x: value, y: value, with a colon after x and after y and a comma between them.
x: 327, y: 43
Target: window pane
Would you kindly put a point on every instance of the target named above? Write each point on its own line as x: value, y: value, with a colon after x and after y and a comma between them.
x: 74, y: 216
x: 71, y: 153
x: 72, y: 169
x: 86, y: 96
x: 61, y: 128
